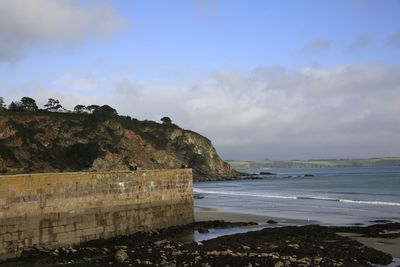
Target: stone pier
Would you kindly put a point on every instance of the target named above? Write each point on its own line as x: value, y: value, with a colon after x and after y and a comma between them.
x: 58, y: 209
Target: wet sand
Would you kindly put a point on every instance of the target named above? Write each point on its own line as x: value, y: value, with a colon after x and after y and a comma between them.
x: 388, y: 245
x: 210, y: 214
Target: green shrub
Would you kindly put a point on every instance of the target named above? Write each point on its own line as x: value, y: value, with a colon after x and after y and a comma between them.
x: 5, y: 151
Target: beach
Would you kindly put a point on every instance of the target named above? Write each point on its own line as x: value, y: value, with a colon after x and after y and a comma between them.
x: 256, y: 244
x: 325, y: 220
x: 388, y: 244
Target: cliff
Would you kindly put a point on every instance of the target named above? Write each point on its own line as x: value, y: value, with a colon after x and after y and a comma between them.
x: 57, y: 142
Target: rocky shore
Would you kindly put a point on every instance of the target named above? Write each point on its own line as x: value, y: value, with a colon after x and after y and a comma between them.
x: 310, y: 245
x: 208, y: 177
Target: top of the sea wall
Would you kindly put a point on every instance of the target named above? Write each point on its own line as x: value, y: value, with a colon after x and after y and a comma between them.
x: 40, y: 193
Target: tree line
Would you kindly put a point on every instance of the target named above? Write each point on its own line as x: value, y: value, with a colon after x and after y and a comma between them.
x: 52, y: 105
x: 28, y: 104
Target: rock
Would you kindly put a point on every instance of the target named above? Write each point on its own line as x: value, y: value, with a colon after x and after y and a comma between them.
x: 161, y: 242
x: 317, y: 260
x: 245, y: 247
x: 203, y: 230
x: 267, y: 173
x: 121, y: 247
x: 54, y: 253
x: 295, y: 246
x: 176, y: 253
x: 213, y: 253
x: 147, y: 263
x: 271, y: 222
x: 308, y: 175
x: 226, y: 252
x: 41, y: 248
x: 381, y: 221
x: 121, y: 256
x: 304, y: 260
x: 279, y: 264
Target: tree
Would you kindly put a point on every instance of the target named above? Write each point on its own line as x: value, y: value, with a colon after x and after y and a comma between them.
x: 15, y: 106
x: 80, y: 109
x: 2, y: 105
x: 92, y: 108
x: 53, y: 105
x: 105, y: 112
x: 29, y: 104
x: 166, y: 120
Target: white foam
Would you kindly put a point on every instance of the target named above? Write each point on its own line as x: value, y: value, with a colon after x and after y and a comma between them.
x: 365, y: 202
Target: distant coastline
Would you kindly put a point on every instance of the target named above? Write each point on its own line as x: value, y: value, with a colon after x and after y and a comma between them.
x: 314, y: 163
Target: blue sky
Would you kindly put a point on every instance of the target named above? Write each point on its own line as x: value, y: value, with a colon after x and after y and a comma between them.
x: 259, y: 78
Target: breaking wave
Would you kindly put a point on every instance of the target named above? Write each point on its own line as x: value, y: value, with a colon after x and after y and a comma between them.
x: 365, y: 202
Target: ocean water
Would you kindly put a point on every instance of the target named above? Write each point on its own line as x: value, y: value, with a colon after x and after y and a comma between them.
x: 333, y: 196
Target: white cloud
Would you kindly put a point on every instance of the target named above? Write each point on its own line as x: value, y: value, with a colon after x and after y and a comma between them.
x: 126, y: 87
x: 271, y: 112
x: 70, y: 82
x: 316, y: 46
x: 26, y: 24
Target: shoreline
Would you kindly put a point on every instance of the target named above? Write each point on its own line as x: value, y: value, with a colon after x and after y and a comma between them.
x: 309, y: 245
x: 284, y: 243
x: 390, y: 246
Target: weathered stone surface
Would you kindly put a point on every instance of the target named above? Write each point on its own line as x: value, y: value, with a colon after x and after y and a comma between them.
x: 121, y: 256
x: 67, y: 208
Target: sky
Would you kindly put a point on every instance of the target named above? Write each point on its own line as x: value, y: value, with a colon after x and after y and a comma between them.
x: 262, y: 79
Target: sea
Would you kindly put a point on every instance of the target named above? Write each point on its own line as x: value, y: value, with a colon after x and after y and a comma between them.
x: 331, y: 196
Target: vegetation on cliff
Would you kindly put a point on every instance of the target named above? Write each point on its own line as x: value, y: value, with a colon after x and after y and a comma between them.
x: 97, y: 138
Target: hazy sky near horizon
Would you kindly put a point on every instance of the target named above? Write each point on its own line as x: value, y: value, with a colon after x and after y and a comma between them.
x: 287, y: 79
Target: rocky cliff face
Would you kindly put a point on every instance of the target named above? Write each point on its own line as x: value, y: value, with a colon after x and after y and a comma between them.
x: 71, y: 142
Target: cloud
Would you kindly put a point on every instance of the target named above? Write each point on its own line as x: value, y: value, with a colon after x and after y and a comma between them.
x: 359, y: 43
x: 317, y: 46
x: 394, y: 38
x: 68, y: 82
x: 126, y: 87
x: 26, y: 24
x: 269, y: 112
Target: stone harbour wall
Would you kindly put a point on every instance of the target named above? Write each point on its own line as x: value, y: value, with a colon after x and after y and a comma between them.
x: 59, y: 209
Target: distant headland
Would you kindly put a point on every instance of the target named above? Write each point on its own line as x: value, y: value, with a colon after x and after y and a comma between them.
x: 315, y: 163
